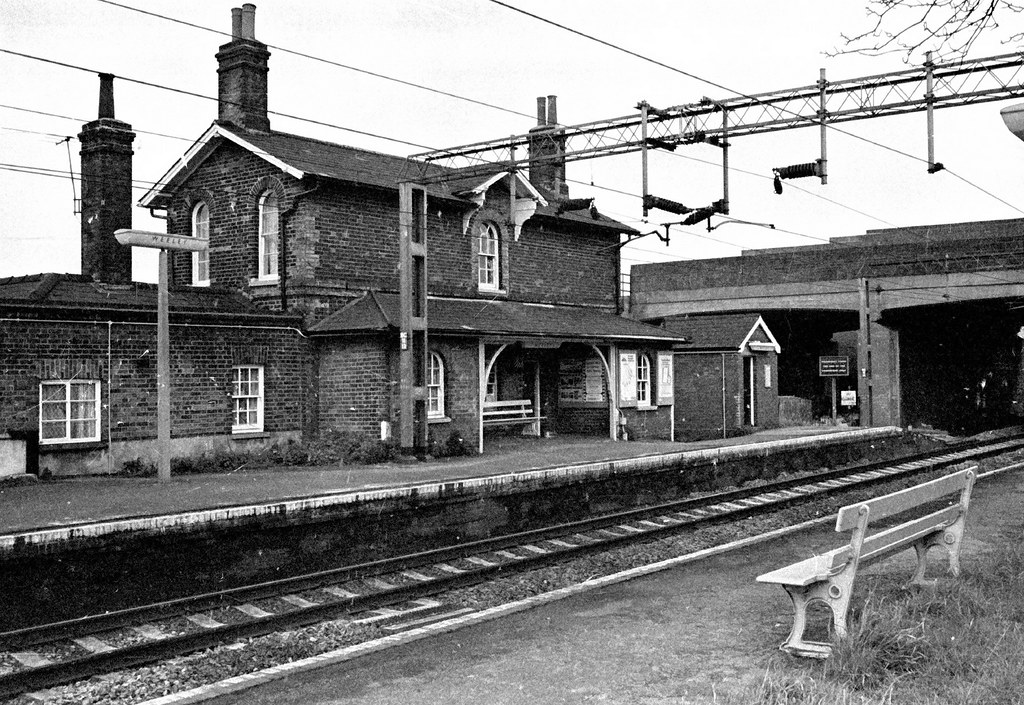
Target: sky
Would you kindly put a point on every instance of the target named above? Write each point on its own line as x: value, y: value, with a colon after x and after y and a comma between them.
x: 503, y: 60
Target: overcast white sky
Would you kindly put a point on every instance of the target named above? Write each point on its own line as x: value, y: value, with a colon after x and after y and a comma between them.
x: 480, y: 50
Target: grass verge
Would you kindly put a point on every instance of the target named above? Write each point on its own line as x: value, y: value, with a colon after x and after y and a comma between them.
x: 961, y: 642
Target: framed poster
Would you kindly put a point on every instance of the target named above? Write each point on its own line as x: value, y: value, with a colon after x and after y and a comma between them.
x: 666, y: 383
x: 627, y: 378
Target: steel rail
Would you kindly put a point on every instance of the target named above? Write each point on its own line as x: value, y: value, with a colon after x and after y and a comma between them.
x: 612, y: 530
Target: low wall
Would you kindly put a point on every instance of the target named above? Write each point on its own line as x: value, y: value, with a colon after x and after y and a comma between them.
x: 55, y: 573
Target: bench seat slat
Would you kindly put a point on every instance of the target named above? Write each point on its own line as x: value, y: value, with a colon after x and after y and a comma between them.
x: 808, y: 571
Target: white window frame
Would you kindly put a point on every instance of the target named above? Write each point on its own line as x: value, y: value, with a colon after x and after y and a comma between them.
x: 488, y: 256
x: 643, y: 380
x: 201, y: 259
x: 269, y: 236
x: 435, y: 386
x: 244, y: 401
x: 91, y: 407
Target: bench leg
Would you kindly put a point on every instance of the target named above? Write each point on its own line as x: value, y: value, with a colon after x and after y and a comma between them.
x: 921, y: 547
x: 795, y: 643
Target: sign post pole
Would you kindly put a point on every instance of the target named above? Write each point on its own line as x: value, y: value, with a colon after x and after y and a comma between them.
x: 165, y: 243
x: 833, y: 366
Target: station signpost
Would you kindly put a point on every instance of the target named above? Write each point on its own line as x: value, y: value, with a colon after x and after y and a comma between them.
x: 833, y: 366
x: 165, y: 243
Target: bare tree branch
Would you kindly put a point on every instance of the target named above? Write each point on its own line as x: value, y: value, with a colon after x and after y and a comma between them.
x: 947, y: 28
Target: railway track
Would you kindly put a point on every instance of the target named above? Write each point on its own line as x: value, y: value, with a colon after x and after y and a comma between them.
x: 399, y: 593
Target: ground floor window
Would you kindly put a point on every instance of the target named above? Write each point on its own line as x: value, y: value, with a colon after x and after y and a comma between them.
x: 435, y: 386
x: 247, y: 396
x: 69, y: 411
x: 643, y: 380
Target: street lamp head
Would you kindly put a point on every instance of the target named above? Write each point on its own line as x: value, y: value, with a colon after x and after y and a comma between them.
x: 1013, y: 118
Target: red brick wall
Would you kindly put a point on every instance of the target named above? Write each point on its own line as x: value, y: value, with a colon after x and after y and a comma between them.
x: 355, y: 384
x: 345, y: 238
x: 201, y: 360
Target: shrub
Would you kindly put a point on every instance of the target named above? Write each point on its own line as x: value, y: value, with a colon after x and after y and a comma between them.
x: 454, y: 445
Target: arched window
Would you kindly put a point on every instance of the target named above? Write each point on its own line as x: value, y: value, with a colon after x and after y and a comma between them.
x: 643, y: 380
x: 488, y: 259
x: 201, y: 260
x: 268, y: 235
x: 435, y: 386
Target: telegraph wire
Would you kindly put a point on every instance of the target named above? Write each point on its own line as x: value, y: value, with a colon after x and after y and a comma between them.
x: 193, y: 94
x: 330, y: 62
x: 339, y: 127
x: 922, y: 293
x: 709, y: 82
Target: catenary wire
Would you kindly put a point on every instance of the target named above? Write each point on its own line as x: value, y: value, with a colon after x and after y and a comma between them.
x: 709, y: 82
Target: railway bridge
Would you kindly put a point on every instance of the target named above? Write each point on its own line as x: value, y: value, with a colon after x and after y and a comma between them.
x: 931, y: 317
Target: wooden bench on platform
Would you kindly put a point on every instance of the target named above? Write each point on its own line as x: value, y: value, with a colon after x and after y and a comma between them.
x: 829, y: 578
x: 511, y: 412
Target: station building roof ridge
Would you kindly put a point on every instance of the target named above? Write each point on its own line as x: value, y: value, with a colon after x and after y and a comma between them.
x: 721, y: 331
x: 299, y: 156
x: 379, y: 311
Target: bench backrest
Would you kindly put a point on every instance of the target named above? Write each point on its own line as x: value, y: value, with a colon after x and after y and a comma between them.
x: 504, y: 408
x: 856, y: 517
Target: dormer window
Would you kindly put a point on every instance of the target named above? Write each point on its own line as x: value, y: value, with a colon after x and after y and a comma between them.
x: 268, y: 236
x: 201, y: 260
x: 488, y: 257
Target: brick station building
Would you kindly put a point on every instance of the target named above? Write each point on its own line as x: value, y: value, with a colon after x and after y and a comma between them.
x: 287, y: 325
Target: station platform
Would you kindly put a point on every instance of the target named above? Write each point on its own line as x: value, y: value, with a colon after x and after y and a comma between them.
x: 684, y: 632
x: 58, y: 508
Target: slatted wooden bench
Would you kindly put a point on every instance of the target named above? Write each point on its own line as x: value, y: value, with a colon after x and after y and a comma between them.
x: 510, y: 412
x: 829, y: 578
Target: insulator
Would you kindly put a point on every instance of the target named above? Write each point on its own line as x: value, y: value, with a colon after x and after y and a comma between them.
x: 665, y: 205
x: 575, y: 204
x: 699, y: 215
x: 797, y: 171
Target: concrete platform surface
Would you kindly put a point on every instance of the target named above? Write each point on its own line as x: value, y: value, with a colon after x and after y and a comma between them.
x: 688, y: 634
x: 29, y: 506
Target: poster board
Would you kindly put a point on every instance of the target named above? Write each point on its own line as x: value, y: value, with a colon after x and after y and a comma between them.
x: 627, y: 378
x: 666, y: 381
x: 581, y: 383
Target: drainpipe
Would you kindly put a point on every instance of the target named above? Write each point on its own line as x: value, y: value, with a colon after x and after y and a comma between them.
x: 725, y: 413
x: 283, y: 254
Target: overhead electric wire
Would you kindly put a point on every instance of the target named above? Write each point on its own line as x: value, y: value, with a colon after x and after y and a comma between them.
x: 741, y: 94
x: 330, y: 62
x: 193, y: 94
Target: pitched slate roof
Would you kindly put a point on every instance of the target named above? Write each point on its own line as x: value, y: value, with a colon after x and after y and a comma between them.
x: 77, y: 292
x: 299, y: 156
x: 378, y: 312
x: 721, y: 332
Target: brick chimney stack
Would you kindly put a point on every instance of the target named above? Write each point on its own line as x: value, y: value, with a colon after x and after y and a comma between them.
x: 547, y: 150
x: 106, y: 191
x: 242, y: 74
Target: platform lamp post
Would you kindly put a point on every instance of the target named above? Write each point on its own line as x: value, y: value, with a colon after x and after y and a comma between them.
x: 165, y: 243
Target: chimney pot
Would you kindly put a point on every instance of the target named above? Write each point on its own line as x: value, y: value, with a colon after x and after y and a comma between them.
x: 248, y: 21
x: 552, y: 110
x: 106, y: 107
x: 236, y: 23
x: 542, y: 112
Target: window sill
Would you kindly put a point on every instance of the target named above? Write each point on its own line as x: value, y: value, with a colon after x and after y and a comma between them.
x: 71, y: 445
x: 246, y: 435
x: 264, y: 282
x: 646, y: 408
x: 438, y: 419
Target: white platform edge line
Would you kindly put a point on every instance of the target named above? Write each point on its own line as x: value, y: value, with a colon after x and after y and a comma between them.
x: 433, y: 489
x: 251, y: 680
